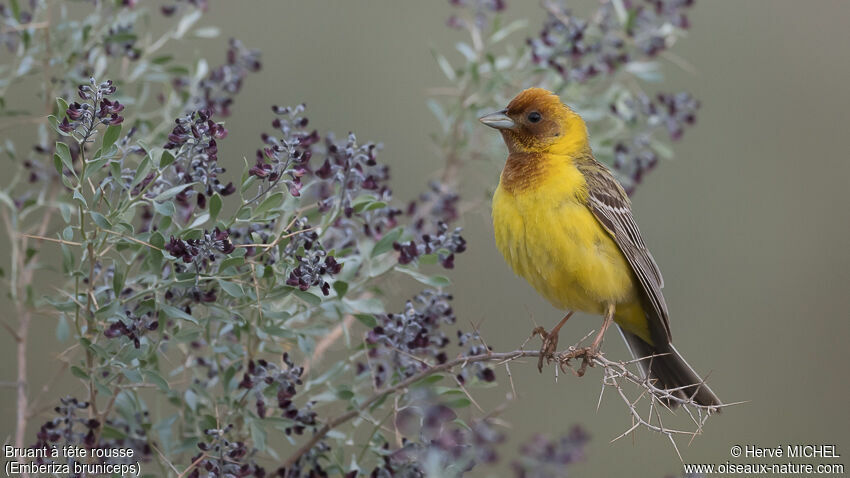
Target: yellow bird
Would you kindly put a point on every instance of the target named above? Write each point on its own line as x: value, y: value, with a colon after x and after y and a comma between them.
x: 565, y: 224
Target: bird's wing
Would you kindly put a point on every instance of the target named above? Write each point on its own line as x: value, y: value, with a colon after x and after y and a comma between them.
x: 612, y: 208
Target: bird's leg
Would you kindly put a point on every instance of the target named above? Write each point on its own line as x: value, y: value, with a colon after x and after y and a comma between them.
x: 550, y: 340
x: 606, y: 322
x: 587, y: 353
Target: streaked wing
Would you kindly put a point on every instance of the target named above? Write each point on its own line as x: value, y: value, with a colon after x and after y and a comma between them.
x: 612, y: 208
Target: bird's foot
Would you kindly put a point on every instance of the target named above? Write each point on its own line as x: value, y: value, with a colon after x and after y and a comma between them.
x: 586, y: 354
x: 550, y: 341
x: 549, y: 346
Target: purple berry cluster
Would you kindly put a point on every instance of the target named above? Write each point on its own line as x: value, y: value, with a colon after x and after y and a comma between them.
x: 120, y: 41
x: 171, y: 9
x: 443, y: 242
x: 223, y: 83
x: 352, y: 169
x: 579, y: 49
x: 133, y: 327
x: 282, y: 381
x: 400, y: 345
x: 222, y: 457
x: 542, y: 457
x: 68, y: 426
x: 438, y: 443
x: 81, y: 119
x: 201, y: 252
x: 481, y: 10
x: 285, y: 158
x: 195, y: 150
x: 312, y: 264
x: 636, y: 156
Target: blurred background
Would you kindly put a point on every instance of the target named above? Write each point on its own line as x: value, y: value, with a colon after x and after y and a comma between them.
x: 749, y: 223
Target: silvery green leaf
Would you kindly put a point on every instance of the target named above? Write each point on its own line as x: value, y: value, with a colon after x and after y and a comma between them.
x: 207, y: 32
x: 504, y: 32
x: 186, y: 23
x: 445, y: 66
x: 466, y: 51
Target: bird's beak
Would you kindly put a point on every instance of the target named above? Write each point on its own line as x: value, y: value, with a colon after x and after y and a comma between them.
x: 498, y: 120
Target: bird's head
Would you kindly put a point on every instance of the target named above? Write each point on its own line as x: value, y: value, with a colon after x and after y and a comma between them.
x: 536, y: 121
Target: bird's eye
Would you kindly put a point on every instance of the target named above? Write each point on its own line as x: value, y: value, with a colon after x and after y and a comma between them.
x: 534, y: 117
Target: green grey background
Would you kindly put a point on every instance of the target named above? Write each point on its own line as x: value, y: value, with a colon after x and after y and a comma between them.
x: 749, y: 223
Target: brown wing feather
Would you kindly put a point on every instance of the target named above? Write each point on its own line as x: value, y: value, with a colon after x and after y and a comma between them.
x: 612, y: 208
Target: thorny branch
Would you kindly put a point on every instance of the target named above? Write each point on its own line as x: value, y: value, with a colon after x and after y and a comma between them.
x: 615, y: 374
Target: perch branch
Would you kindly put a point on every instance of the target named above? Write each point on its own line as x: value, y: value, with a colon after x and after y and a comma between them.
x: 614, y: 372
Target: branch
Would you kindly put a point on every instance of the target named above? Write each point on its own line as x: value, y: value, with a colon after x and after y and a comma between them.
x: 612, y: 371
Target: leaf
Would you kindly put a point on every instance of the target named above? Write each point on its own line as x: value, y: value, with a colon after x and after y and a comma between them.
x: 367, y: 319
x: 156, y: 379
x: 109, y: 432
x: 176, y: 313
x: 79, y: 373
x: 258, y: 435
x: 166, y: 159
x: 62, y: 107
x: 433, y: 281
x: 132, y: 375
x: 63, y: 331
x: 461, y: 402
x: 270, y: 202
x: 141, y: 171
x: 232, y: 289
x: 64, y: 155
x: 310, y: 298
x: 341, y: 287
x: 466, y: 51
x: 65, y: 210
x: 445, y: 66
x: 503, y: 33
x: 207, y: 32
x: 164, y: 208
x: 203, y: 218
x: 157, y: 239
x: 79, y: 197
x: 186, y: 23
x: 118, y: 281
x: 231, y: 262
x: 113, y: 132
x: 93, y: 167
x: 100, y: 220
x: 172, y: 191
x: 366, y: 305
x: 386, y: 242
x: 215, y: 205
x: 54, y: 124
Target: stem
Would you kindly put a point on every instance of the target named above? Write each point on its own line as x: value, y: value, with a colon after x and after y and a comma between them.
x: 21, y: 345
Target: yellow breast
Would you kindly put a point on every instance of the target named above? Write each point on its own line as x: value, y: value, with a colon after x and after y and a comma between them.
x: 549, y: 237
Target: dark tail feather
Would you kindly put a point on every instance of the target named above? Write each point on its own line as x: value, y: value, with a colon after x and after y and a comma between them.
x: 670, y: 370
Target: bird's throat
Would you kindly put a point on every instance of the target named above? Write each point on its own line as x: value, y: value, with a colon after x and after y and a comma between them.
x: 524, y: 171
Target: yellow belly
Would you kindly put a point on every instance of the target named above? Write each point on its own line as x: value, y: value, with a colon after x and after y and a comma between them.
x: 550, y: 238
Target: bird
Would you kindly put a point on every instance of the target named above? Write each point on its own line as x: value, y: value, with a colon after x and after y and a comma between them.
x: 564, y: 223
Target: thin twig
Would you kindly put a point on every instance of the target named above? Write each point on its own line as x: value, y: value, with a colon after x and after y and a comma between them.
x: 50, y: 239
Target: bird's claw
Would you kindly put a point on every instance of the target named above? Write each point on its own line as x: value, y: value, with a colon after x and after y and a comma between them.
x: 586, y: 354
x: 548, y: 348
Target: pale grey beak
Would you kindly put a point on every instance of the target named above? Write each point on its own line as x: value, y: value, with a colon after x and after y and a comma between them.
x: 498, y: 120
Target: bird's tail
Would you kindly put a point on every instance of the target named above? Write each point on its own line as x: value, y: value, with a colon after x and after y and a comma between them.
x: 670, y: 370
